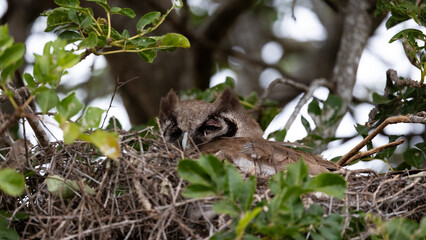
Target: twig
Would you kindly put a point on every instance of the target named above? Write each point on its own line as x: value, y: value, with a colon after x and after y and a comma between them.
x: 118, y: 85
x: 373, y: 151
x: 392, y: 120
x: 289, y: 82
x: 308, y: 94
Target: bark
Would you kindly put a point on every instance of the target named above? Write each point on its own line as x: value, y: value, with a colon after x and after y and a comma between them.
x: 357, y: 26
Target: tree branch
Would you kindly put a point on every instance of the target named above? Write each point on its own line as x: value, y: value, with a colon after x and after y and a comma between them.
x: 418, y: 118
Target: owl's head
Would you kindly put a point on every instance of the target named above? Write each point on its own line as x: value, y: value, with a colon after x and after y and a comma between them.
x: 205, y: 122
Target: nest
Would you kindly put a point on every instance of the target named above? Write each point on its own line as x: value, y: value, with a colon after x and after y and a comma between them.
x: 139, y: 197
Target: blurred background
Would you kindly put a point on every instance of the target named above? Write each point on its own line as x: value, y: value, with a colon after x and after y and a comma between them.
x: 254, y: 42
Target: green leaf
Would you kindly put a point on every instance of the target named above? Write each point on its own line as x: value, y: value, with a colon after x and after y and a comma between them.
x: 69, y: 106
x: 198, y: 191
x: 46, y: 99
x: 92, y: 117
x: 245, y: 220
x: 306, y: 124
x: 215, y: 169
x: 379, y: 99
x: 410, y: 35
x: 12, y: 55
x: 5, y: 40
x: 192, y: 172
x: 70, y: 36
x: 173, y: 40
x: 329, y: 183
x: 414, y: 157
x: 297, y: 173
x: 102, y: 3
x: 225, y: 207
x: 362, y: 130
x: 11, y: 182
x: 247, y: 193
x: 235, y: 183
x: 148, y: 55
x: 333, y: 101
x: 6, y: 232
x: 68, y: 3
x: 71, y: 132
x: 421, y: 146
x: 89, y: 42
x: 146, y: 19
x: 123, y: 11
x: 58, y: 186
x: 29, y: 80
x: 394, y: 19
x: 106, y: 142
x: 400, y: 228
x: 279, y: 135
x: 56, y: 18
x: 82, y: 19
x: 313, y: 108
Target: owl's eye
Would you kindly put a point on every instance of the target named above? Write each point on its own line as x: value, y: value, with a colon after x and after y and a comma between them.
x: 210, y: 125
x: 174, y: 133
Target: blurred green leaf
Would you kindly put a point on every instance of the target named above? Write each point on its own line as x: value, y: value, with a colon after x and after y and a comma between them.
x: 297, y: 173
x: 279, y: 135
x: 71, y: 132
x: 148, y: 55
x: 80, y: 18
x: 46, y: 99
x: 70, y: 36
x: 68, y: 3
x: 225, y: 207
x: 69, y: 106
x: 173, y: 40
x: 306, y: 124
x: 29, y: 80
x: 102, y: 3
x: 313, y: 108
x: 89, y: 42
x: 92, y: 117
x: 149, y: 18
x: 56, y: 18
x: 192, y: 172
x: 414, y: 157
x: 329, y: 183
x: 11, y: 182
x: 6, y: 232
x: 106, y: 142
x: 12, y: 55
x: 409, y: 34
x: 123, y: 11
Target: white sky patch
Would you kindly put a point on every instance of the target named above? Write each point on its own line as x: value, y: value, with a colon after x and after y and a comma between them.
x: 272, y: 52
x: 307, y: 26
x: 267, y: 76
x: 3, y: 7
x: 221, y: 76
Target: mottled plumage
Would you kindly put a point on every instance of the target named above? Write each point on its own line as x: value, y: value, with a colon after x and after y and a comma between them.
x: 223, y: 128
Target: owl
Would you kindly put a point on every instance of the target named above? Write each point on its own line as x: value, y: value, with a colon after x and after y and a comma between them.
x: 223, y: 128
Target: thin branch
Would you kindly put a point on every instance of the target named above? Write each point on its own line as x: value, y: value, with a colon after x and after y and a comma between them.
x: 277, y: 81
x: 373, y: 151
x: 418, y: 118
x: 315, y: 84
x: 118, y: 85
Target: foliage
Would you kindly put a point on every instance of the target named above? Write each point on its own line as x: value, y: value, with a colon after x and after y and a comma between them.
x: 413, y: 40
x: 78, y: 25
x: 283, y: 216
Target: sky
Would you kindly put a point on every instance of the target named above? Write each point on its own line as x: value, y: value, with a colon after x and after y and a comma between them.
x: 378, y: 53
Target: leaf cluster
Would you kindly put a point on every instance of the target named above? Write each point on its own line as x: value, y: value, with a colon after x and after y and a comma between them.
x: 413, y: 40
x: 78, y: 25
x: 282, y: 216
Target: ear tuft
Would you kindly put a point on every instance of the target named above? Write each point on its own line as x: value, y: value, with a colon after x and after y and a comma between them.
x: 227, y: 101
x: 167, y: 105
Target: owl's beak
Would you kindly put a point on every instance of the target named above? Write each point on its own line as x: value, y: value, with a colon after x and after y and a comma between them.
x: 185, y: 141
